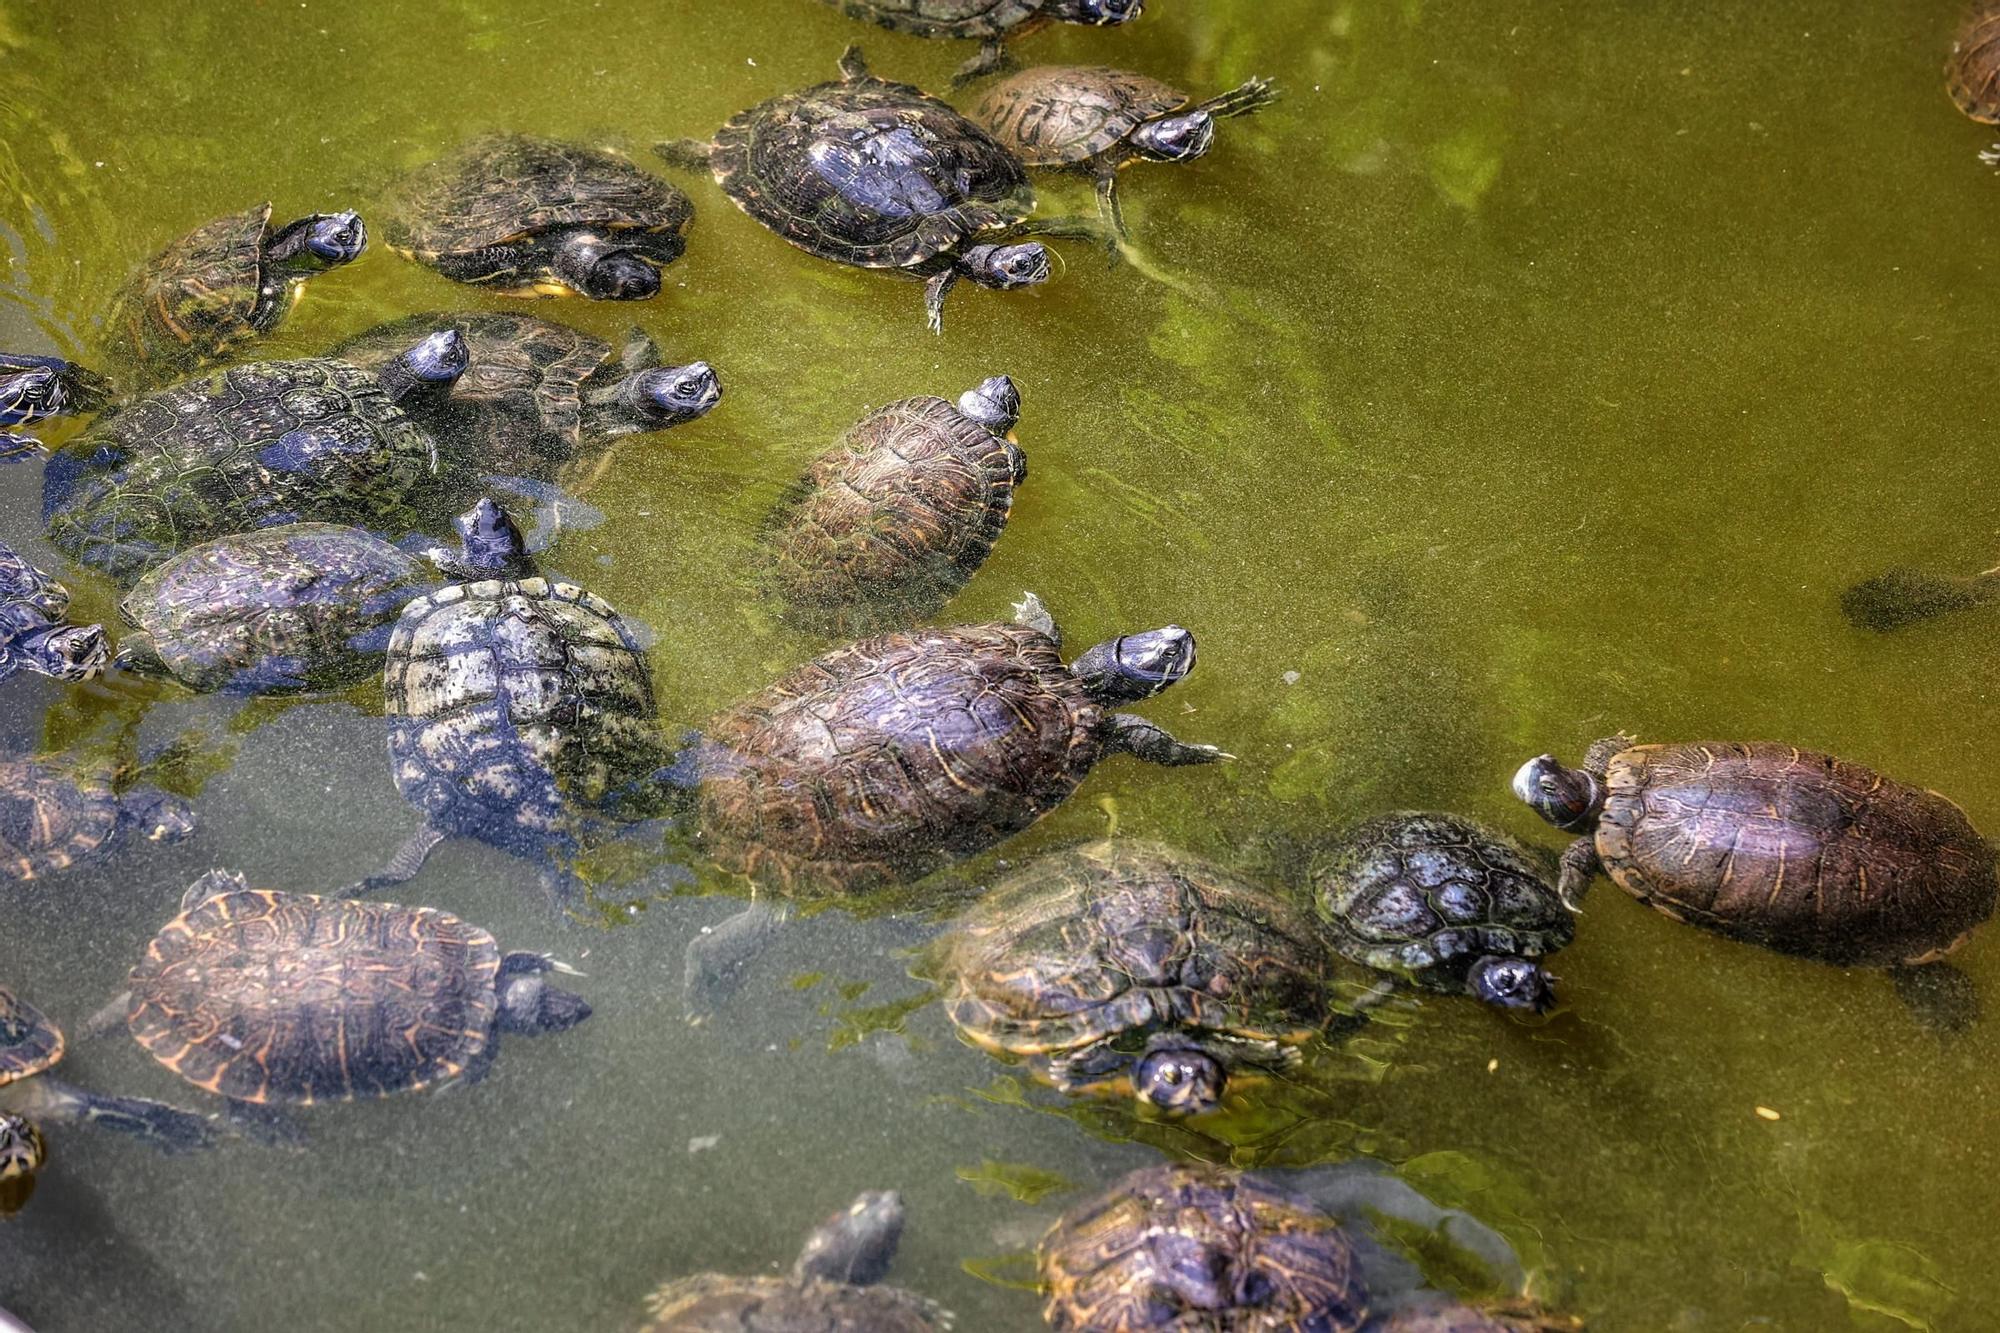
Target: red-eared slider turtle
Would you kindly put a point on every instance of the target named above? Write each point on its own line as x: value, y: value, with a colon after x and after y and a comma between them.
x: 527, y: 216
x: 285, y: 999
x: 1788, y: 848
x: 1453, y: 905
x: 1128, y: 968
x: 884, y: 527
x: 878, y: 175
x: 254, y: 446
x: 1175, y: 1249
x: 1433, y: 1313
x: 889, y: 758
x: 989, y: 22
x: 1972, y: 74
x: 1094, y: 120
x: 35, y: 388
x: 833, y: 1287
x: 56, y: 811
x: 34, y: 636
x: 223, y: 283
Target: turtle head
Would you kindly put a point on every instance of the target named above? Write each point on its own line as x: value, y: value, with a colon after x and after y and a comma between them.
x: 856, y: 1245
x: 528, y: 1003
x: 35, y: 387
x: 668, y: 395
x: 1136, y: 666
x: 1097, y: 13
x: 1004, y: 267
x: 1175, y: 138
x: 995, y: 404
x: 335, y: 238
x: 155, y: 815
x: 1569, y: 798
x: 1179, y: 1081
x: 489, y: 542
x: 66, y: 652
x: 590, y: 265
x: 214, y: 884
x: 426, y: 371
x: 22, y: 1153
x: 1511, y: 983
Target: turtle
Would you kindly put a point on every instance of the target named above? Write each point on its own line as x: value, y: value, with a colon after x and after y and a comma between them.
x: 1189, y: 1246
x: 1433, y: 1312
x: 887, y: 525
x: 253, y: 446
x: 1900, y: 597
x: 30, y: 1045
x: 34, y: 633
x: 527, y: 216
x: 35, y: 388
x: 1129, y: 968
x: 520, y: 708
x: 1972, y: 74
x: 59, y: 810
x: 890, y: 757
x: 1789, y: 848
x: 990, y: 22
x: 834, y: 1285
x: 1453, y: 905
x: 878, y: 175
x: 222, y: 284
x: 1096, y: 120
x: 270, y: 999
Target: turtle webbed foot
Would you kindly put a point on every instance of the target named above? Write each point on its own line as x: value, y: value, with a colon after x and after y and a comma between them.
x: 1149, y: 741
x: 1941, y: 997
x: 992, y: 59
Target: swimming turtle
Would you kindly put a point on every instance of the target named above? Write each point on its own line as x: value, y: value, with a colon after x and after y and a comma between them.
x: 878, y: 175
x: 884, y: 527
x: 990, y: 22
x: 34, y: 636
x: 1792, y: 849
x: 1900, y: 597
x: 1095, y: 120
x: 223, y: 283
x: 35, y: 388
x: 1437, y: 1313
x: 888, y: 758
x: 833, y: 1286
x: 1453, y: 905
x: 1129, y: 968
x: 30, y: 1045
x: 254, y: 446
x: 1191, y: 1246
x: 528, y: 216
x: 57, y: 810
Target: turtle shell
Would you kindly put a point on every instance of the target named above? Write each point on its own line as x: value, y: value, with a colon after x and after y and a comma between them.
x: 301, y: 606
x: 191, y: 302
x: 23, y: 584
x: 1972, y: 75
x: 943, y: 18
x: 512, y: 704
x: 289, y: 999
x: 471, y: 211
x: 51, y: 817
x: 888, y: 758
x: 1179, y: 1248
x: 1430, y: 894
x: 1063, y: 115
x: 1795, y: 850
x: 870, y: 173
x: 893, y: 520
x: 713, y: 1303
x: 29, y: 1043
x: 254, y: 446
x: 1441, y: 1314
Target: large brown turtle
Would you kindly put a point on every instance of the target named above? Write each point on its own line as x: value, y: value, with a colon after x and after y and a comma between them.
x: 990, y: 22
x: 58, y: 810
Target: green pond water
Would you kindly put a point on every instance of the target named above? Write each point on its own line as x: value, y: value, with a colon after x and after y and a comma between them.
x: 1532, y: 371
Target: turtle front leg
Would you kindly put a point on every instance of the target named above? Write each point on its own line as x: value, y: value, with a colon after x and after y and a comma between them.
x: 687, y: 154
x: 167, y: 1128
x: 20, y: 448
x: 935, y: 291
x: 1148, y: 741
x: 1108, y: 207
x: 993, y: 58
x: 1579, y: 865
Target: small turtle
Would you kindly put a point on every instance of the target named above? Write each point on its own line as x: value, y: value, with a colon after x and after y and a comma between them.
x: 223, y: 283
x: 893, y: 756
x: 1898, y: 598
x: 1192, y: 1246
x: 34, y: 635
x: 1435, y: 1313
x: 878, y: 175
x: 832, y: 1288
x: 990, y: 22
x: 35, y: 388
x: 56, y: 811
x: 255, y: 446
x: 1128, y: 968
x: 1453, y: 905
x: 1788, y: 848
x: 1094, y: 120
x: 893, y: 520
x: 526, y: 216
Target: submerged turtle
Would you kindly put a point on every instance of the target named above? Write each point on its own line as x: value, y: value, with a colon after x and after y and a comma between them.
x: 1788, y: 848
x: 1898, y: 598
x: 1434, y: 1313
x: 888, y: 758
x: 56, y: 811
x: 34, y: 636
x: 1095, y: 120
x: 1972, y: 74
x: 35, y: 388
x: 285, y: 999
x: 832, y: 1288
x: 1187, y: 1246
x: 878, y: 175
x: 990, y: 22
x: 254, y: 446
x: 527, y: 216
x: 223, y: 283
x: 1130, y: 968
x: 1453, y: 905
x: 884, y: 527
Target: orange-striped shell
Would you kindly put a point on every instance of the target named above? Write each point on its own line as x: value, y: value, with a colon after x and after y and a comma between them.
x: 29, y: 1043
x: 1972, y: 75
x: 51, y: 818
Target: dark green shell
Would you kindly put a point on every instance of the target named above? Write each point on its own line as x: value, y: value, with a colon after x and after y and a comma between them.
x: 194, y: 300
x: 29, y: 1043
x: 1066, y: 115
x: 943, y: 18
x: 713, y: 1303
x: 52, y: 817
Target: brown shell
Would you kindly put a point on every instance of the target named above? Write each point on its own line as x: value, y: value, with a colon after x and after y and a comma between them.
x: 1795, y: 850
x: 29, y: 1043
x: 885, y: 759
x: 713, y: 1303
x: 193, y: 300
x: 1972, y: 75
x: 884, y: 527
x: 286, y: 998
x: 944, y: 18
x: 51, y: 817
x: 1063, y: 115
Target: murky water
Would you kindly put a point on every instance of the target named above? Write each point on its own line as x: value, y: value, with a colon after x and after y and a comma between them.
x: 1532, y: 371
